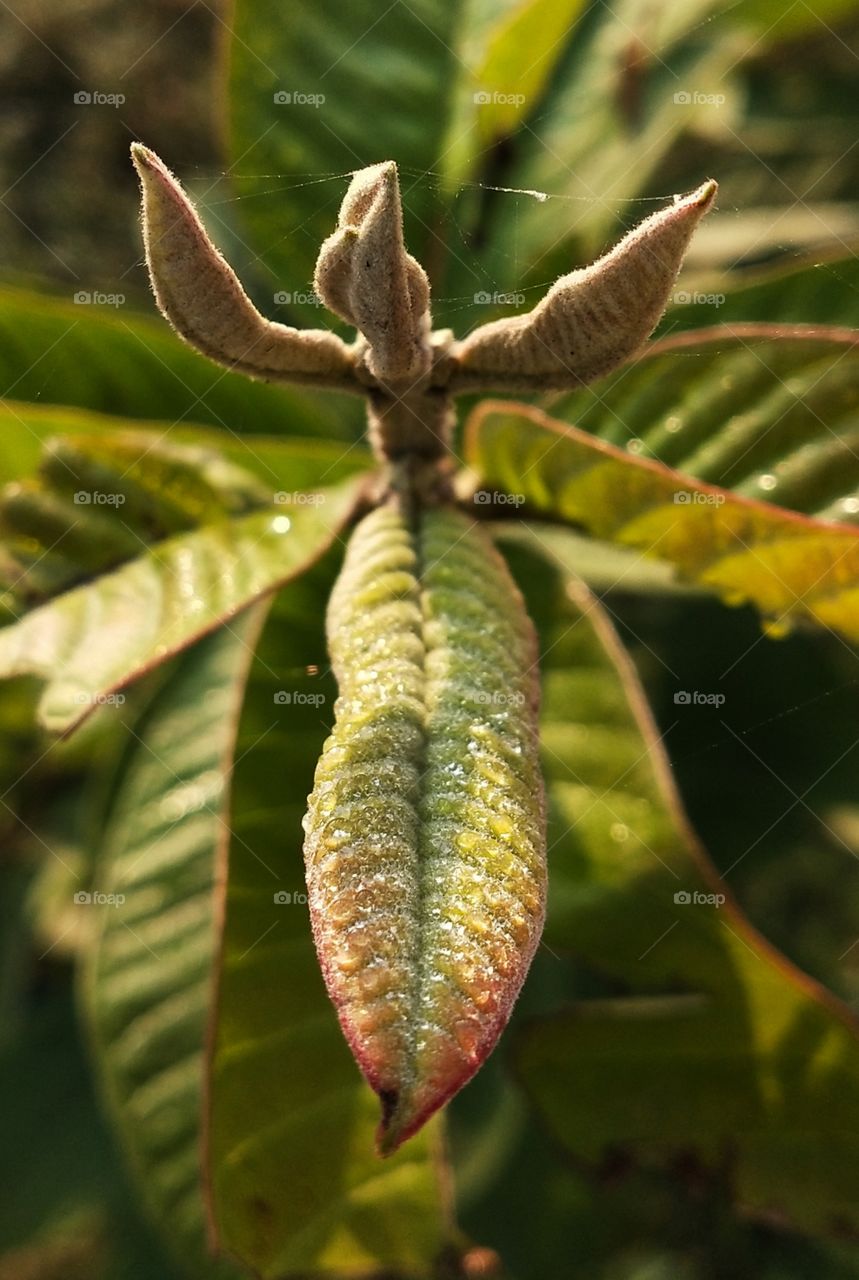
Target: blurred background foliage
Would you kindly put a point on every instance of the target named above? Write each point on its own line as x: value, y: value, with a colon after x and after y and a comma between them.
x: 622, y: 104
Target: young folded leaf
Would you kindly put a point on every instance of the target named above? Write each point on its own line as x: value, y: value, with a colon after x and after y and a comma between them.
x: 425, y: 832
x: 592, y: 319
x: 365, y: 276
x: 202, y: 298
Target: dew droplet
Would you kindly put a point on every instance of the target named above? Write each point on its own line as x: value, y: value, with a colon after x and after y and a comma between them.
x: 281, y: 524
x: 619, y: 831
x: 767, y: 482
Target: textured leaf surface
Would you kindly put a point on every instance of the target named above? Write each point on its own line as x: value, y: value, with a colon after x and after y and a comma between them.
x: 282, y: 463
x: 788, y: 565
x: 722, y: 1051
x: 296, y: 1186
x: 771, y: 419
x: 64, y: 524
x: 148, y: 980
x: 125, y: 363
x: 424, y: 849
x: 99, y: 636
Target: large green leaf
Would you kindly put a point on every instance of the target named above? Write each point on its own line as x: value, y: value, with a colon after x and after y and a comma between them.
x: 768, y: 416
x: 95, y: 638
x: 284, y: 463
x: 382, y: 74
x: 720, y: 1049
x: 148, y: 979
x: 296, y: 1184
x: 116, y: 361
x: 823, y: 290
x: 789, y: 565
x: 590, y: 141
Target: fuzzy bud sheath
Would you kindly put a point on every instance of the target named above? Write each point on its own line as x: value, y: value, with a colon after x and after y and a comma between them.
x: 592, y: 319
x: 202, y: 298
x: 365, y: 276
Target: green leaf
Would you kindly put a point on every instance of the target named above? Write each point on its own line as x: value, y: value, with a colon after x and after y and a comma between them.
x: 790, y: 566
x: 96, y: 638
x: 820, y: 291
x: 510, y: 52
x: 148, y: 979
x: 770, y: 21
x: 283, y: 463
x: 295, y: 1183
x: 770, y: 414
x: 591, y: 142
x: 382, y: 75
x: 116, y: 361
x: 722, y: 1050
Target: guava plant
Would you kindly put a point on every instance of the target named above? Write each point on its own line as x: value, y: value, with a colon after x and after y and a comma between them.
x: 235, y: 604
x: 425, y: 840
x: 425, y: 830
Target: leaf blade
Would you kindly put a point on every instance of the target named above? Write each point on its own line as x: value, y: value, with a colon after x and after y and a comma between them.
x: 790, y: 566
x: 97, y: 637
